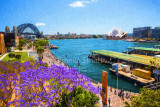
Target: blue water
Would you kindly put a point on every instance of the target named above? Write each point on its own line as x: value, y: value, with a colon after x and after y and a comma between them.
x: 72, y: 50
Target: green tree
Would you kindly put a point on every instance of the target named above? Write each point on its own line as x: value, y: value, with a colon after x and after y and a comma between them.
x: 79, y: 97
x: 21, y: 44
x: 147, y: 98
x: 42, y: 42
x: 30, y: 45
x: 40, y: 50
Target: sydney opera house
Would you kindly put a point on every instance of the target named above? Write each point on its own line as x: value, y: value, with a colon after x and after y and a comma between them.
x: 114, y: 34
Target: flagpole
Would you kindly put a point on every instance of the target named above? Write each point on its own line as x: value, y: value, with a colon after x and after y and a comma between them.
x: 117, y: 82
x: 117, y: 76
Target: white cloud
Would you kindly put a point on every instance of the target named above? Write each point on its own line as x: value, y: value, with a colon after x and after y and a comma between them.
x: 40, y: 24
x: 94, y: 0
x: 78, y: 3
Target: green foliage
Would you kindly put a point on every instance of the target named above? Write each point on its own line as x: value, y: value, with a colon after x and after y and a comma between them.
x: 137, y: 38
x: 18, y: 57
x: 41, y: 42
x: 20, y: 48
x: 147, y: 98
x: 30, y: 45
x: 155, y: 62
x: 22, y: 42
x: 40, y: 50
x: 46, y: 65
x: 55, y: 84
x: 79, y: 97
x: 11, y: 55
x: 127, y: 104
x: 45, y: 37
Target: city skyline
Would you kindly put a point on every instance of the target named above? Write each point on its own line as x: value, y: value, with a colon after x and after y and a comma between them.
x: 82, y: 16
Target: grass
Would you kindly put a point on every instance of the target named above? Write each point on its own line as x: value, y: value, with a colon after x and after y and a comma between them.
x: 24, y: 57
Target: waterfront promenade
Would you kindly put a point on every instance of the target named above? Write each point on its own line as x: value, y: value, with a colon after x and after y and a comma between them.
x: 50, y: 59
x: 116, y: 101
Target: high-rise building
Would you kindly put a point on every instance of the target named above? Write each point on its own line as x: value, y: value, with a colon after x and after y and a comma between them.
x: 58, y: 33
x: 69, y: 34
x: 146, y: 32
x: 142, y: 32
x: 155, y: 33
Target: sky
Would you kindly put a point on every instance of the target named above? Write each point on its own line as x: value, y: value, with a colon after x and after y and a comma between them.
x: 80, y: 16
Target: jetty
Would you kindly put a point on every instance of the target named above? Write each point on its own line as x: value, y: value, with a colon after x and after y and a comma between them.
x: 111, y: 57
x: 131, y: 65
x: 143, y: 51
x: 132, y: 78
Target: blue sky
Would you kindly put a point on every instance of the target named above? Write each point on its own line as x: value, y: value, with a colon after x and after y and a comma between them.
x: 80, y: 16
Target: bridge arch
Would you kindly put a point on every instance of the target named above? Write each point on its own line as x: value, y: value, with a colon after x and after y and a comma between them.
x: 22, y: 27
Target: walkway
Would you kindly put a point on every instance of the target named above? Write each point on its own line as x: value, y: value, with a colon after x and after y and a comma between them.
x: 116, y: 101
x: 3, y: 56
x: 50, y: 59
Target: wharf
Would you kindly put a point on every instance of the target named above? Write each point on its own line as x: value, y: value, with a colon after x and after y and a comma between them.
x: 111, y: 57
x: 132, y: 78
x: 143, y: 51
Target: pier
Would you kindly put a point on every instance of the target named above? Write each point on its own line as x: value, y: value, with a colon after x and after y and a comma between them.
x: 139, y: 76
x: 143, y: 51
x: 111, y: 57
x: 132, y: 78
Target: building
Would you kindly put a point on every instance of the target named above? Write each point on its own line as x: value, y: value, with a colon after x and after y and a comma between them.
x: 2, y: 45
x: 58, y: 33
x: 142, y: 32
x: 69, y: 33
x: 155, y: 33
x: 113, y: 32
x: 8, y: 40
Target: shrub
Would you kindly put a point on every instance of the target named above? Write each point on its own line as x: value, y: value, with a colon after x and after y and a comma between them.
x: 18, y: 56
x: 46, y: 65
x: 30, y: 45
x: 79, y: 97
x: 11, y: 55
x: 20, y: 48
x: 147, y: 98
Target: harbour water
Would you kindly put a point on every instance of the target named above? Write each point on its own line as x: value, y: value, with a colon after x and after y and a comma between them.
x: 72, y: 50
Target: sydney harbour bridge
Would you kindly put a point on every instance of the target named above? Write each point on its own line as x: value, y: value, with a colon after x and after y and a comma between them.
x: 34, y: 30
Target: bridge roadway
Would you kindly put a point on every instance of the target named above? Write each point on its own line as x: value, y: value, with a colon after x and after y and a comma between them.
x: 29, y: 33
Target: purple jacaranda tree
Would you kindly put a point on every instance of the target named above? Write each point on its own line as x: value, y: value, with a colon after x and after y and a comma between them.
x: 32, y: 84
